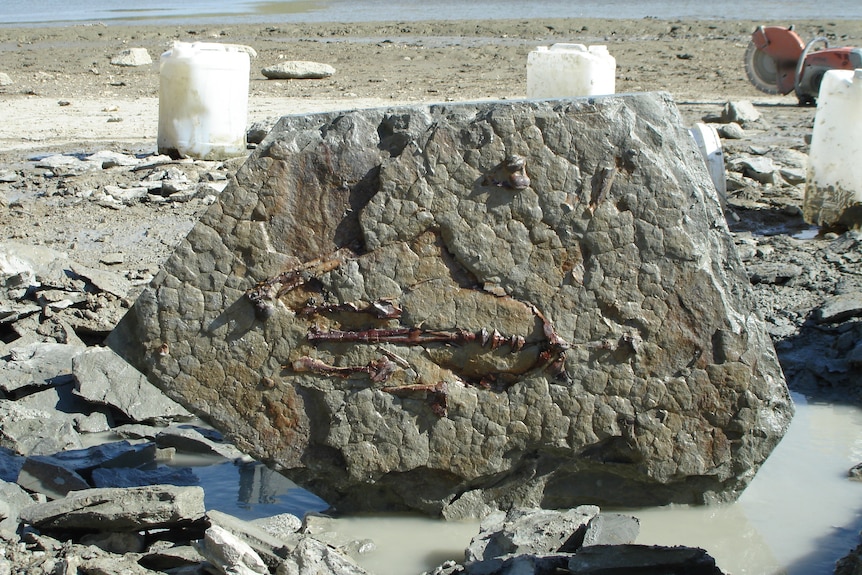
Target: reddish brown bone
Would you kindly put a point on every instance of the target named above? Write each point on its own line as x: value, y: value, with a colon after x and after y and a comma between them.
x: 378, y: 370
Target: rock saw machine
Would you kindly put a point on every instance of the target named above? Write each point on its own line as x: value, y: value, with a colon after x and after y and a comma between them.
x: 777, y: 61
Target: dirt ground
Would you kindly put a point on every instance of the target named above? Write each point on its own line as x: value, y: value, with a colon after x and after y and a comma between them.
x: 66, y: 91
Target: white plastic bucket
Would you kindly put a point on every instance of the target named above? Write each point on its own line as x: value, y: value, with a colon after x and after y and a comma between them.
x: 203, y: 100
x: 709, y: 144
x: 833, y: 187
x: 570, y: 70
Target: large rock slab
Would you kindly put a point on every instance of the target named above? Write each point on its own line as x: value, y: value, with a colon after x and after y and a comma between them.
x: 119, y: 509
x: 463, y: 307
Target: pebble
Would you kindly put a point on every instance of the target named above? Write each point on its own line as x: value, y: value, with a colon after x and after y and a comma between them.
x: 297, y: 69
x: 132, y: 57
x: 731, y: 131
x: 741, y: 112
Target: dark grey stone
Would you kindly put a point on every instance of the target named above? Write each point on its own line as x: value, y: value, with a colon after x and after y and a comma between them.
x: 196, y: 440
x: 119, y: 509
x: 778, y: 273
x: 44, y: 475
x: 647, y: 559
x: 10, y: 464
x: 112, y: 454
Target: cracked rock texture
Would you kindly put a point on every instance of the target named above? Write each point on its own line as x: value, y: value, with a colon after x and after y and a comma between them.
x: 385, y: 307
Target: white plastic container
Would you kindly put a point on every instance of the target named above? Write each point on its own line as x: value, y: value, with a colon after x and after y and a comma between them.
x: 709, y: 144
x: 203, y: 100
x: 570, y: 70
x: 833, y: 187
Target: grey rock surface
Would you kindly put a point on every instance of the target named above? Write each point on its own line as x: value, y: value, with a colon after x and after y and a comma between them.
x: 311, y: 557
x: 458, y: 306
x: 270, y: 549
x: 531, y: 532
x: 12, y: 499
x: 612, y: 529
x: 104, y: 377
x: 44, y: 292
x: 41, y: 474
x: 741, y: 112
x: 230, y: 554
x: 282, y: 526
x: 37, y: 364
x: 119, y: 509
x: 29, y: 431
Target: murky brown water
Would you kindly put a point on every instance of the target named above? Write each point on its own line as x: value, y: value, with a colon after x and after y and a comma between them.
x: 799, y: 515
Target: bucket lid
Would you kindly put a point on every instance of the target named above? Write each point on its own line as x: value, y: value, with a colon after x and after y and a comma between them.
x: 190, y: 49
x: 562, y: 46
x: 599, y: 49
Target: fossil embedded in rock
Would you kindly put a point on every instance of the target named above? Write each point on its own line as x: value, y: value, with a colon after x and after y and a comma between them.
x: 510, y: 173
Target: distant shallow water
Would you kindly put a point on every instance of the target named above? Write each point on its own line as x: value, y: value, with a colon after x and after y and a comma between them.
x: 58, y: 12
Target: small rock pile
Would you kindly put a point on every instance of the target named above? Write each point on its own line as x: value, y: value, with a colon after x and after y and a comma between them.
x: 153, y: 178
x: 576, y: 541
x: 47, y: 295
x: 164, y: 528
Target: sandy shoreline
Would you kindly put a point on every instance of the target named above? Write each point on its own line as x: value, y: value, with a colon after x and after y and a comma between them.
x: 65, y: 91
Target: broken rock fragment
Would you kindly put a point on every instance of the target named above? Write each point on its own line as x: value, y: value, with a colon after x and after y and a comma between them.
x: 119, y: 509
x: 105, y: 378
x: 298, y: 70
